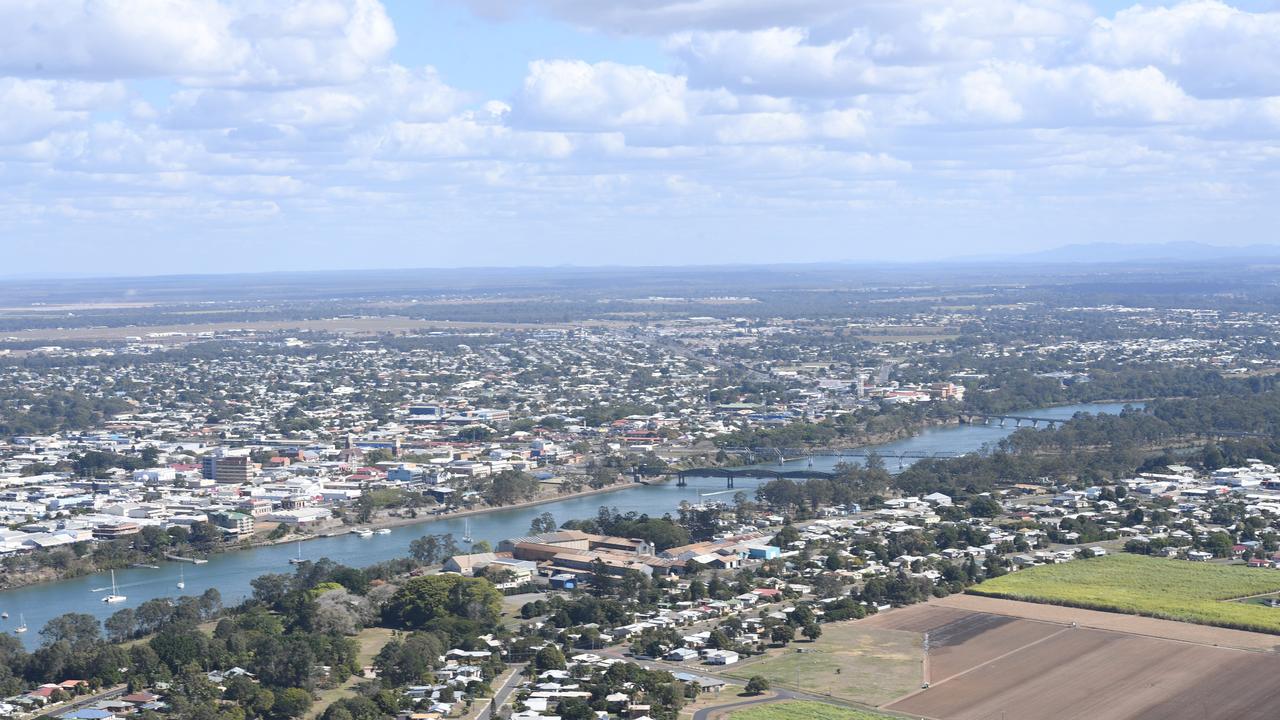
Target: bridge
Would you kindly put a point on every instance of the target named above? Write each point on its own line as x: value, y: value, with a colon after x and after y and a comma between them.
x: 971, y: 418
x: 786, y: 454
x: 730, y: 474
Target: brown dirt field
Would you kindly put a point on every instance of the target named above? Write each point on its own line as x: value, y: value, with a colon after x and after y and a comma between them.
x: 1168, y: 629
x: 960, y: 640
x: 920, y: 618
x: 1102, y: 675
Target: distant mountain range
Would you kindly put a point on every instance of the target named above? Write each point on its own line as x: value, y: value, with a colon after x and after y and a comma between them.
x: 1137, y: 252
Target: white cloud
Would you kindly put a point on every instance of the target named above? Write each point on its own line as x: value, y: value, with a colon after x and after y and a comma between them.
x: 391, y: 92
x: 200, y: 42
x: 1009, y: 93
x: 1210, y: 48
x: 577, y: 94
x: 766, y: 114
x: 36, y: 107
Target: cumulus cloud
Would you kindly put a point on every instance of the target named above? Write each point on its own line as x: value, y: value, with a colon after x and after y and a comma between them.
x: 1211, y: 49
x: 781, y: 112
x: 199, y: 42
x: 578, y: 94
x: 1009, y: 93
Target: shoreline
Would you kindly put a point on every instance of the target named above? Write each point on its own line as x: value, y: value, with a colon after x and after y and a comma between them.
x: 388, y: 522
x: 393, y: 522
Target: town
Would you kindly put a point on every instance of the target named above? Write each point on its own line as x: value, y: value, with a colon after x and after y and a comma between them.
x: 620, y: 520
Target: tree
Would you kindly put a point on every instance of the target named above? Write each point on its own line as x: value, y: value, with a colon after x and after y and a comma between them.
x: 984, y: 506
x: 431, y: 597
x: 543, y: 523
x: 339, y: 611
x: 431, y: 549
x: 510, y: 486
x: 407, y: 662
x: 757, y: 685
x: 575, y: 709
x: 291, y: 703
x: 121, y: 625
x: 78, y: 630
x: 812, y: 631
x: 782, y: 634
x: 549, y: 658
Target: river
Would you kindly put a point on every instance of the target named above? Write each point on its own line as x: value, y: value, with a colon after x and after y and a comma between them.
x: 231, y: 572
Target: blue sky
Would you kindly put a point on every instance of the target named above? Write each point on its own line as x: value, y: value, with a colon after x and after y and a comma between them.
x: 159, y: 136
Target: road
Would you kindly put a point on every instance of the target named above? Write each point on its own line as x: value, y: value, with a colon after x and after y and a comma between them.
x: 108, y: 694
x: 715, y: 710
x: 501, y: 694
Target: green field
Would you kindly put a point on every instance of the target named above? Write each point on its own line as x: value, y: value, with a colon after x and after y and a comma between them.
x: 1155, y: 587
x: 804, y: 710
x: 866, y: 665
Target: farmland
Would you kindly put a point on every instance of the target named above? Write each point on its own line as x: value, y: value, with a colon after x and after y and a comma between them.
x: 1154, y: 587
x: 803, y: 710
x: 1029, y: 661
x: 851, y: 661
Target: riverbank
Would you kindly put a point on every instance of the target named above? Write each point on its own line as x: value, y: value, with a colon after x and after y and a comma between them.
x: 18, y: 579
x: 232, y: 573
x: 393, y: 521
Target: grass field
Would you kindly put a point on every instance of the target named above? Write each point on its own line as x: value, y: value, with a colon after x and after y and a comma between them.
x: 803, y: 710
x: 370, y: 642
x: 1155, y: 587
x: 866, y: 665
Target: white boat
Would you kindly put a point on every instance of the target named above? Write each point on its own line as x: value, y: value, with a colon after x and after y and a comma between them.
x: 466, y: 530
x: 22, y: 624
x: 364, y: 532
x: 114, y: 597
x: 182, y: 579
x: 4, y: 616
x: 297, y: 560
x: 382, y: 531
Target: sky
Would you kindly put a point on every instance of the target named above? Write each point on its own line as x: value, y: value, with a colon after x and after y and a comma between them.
x: 192, y: 136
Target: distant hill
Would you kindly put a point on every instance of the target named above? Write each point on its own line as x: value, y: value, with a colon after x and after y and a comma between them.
x: 1138, y: 252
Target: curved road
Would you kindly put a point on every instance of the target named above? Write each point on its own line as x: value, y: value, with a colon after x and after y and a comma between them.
x: 707, y: 712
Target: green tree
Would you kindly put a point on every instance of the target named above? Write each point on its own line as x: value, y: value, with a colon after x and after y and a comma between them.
x: 543, y: 523
x: 782, y: 634
x: 291, y: 703
x: 432, y: 597
x: 757, y: 685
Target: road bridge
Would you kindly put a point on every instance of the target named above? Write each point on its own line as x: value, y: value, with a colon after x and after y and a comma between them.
x: 1002, y: 419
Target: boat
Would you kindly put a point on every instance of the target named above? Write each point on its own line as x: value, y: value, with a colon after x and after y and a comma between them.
x: 22, y: 624
x: 466, y: 530
x: 115, y: 596
x: 4, y: 616
x: 297, y: 560
x: 182, y: 579
x: 364, y: 532
x: 382, y: 531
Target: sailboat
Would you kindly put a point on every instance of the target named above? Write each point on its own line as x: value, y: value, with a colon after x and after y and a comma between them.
x: 182, y: 579
x: 466, y: 530
x: 22, y: 624
x: 114, y: 597
x: 297, y: 560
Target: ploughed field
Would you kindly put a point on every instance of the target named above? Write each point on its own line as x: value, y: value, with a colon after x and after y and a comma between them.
x: 990, y: 658
x: 1155, y: 587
